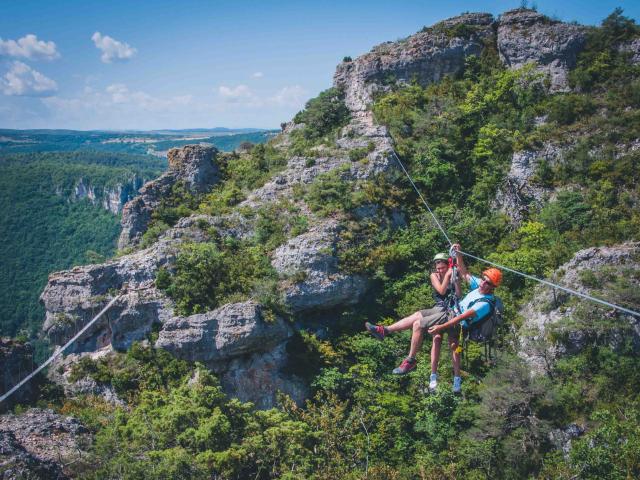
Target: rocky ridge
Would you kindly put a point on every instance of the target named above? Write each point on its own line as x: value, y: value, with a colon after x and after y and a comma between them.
x: 556, y: 325
x: 234, y: 339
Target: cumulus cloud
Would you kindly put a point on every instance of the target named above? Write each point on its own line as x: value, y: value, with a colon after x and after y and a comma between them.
x: 29, y: 47
x: 118, y: 97
x: 112, y: 49
x: 258, y: 75
x: 289, y: 96
x: 22, y: 80
x: 240, y: 93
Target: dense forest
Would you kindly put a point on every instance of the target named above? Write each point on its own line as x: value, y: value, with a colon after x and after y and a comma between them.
x: 42, y: 230
x: 457, y: 138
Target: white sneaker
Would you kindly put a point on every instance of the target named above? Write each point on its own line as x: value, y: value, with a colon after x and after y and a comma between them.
x: 433, y: 382
x: 457, y: 384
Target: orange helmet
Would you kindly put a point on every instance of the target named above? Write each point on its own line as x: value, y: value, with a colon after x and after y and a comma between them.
x: 494, y: 275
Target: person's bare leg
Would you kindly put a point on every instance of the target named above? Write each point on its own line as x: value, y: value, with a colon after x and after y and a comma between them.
x: 416, y: 339
x: 406, y: 323
x: 455, y: 356
x: 435, y: 352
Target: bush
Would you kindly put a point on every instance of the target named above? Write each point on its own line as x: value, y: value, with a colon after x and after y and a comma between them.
x: 323, y: 114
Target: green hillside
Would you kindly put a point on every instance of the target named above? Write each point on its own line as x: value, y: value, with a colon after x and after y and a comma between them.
x: 457, y: 138
x: 42, y: 231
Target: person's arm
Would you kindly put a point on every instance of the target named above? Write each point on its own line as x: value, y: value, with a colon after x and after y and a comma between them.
x: 464, y: 273
x: 441, y: 287
x: 454, y: 321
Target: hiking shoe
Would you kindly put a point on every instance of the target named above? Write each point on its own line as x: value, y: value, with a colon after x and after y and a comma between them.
x: 406, y: 366
x: 378, y: 331
x: 457, y: 384
x: 433, y: 382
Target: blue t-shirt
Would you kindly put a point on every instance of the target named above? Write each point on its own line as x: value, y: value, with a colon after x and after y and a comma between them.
x: 482, y: 309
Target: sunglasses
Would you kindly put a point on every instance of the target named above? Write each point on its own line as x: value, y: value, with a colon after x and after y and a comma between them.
x: 485, y: 279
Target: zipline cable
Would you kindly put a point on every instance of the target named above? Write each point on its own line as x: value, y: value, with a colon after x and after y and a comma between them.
x: 530, y: 277
x: 59, y: 351
x: 422, y: 198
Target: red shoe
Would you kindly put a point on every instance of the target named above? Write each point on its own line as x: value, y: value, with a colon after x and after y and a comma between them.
x: 378, y: 331
x: 406, y: 366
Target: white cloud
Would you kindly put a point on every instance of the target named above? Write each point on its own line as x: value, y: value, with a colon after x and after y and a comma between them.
x: 118, y: 98
x: 258, y: 75
x: 29, y: 47
x: 289, y: 96
x: 240, y: 93
x: 22, y: 80
x: 112, y: 49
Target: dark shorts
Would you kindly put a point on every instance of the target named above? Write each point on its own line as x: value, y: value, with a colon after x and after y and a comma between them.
x: 437, y: 316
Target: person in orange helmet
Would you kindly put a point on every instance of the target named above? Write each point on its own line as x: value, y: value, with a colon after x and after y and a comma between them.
x: 469, y: 308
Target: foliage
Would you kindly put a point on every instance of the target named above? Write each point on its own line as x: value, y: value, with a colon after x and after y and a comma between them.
x: 43, y: 231
x: 208, y: 275
x: 323, y: 114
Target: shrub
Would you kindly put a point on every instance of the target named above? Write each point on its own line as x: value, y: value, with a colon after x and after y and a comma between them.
x: 323, y: 114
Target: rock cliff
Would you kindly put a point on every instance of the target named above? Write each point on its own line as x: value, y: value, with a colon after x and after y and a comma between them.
x: 525, y: 36
x: 193, y: 166
x: 235, y: 340
x: 556, y: 324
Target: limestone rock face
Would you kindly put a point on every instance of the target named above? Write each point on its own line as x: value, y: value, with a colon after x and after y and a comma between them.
x: 40, y: 444
x: 525, y: 36
x: 257, y: 378
x: 229, y: 331
x: 633, y: 49
x: 518, y: 193
x: 193, y: 165
x: 311, y: 256
x: 561, y: 313
x: 247, y: 351
x: 426, y: 57
x: 73, y: 297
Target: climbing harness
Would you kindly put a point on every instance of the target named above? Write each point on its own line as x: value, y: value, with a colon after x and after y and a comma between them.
x: 530, y: 277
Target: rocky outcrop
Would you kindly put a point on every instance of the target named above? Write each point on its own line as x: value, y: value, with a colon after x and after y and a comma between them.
x: 41, y: 444
x: 320, y: 285
x: 526, y: 36
x: 229, y: 331
x: 555, y: 324
x: 16, y: 362
x: 425, y: 57
x: 72, y: 298
x: 519, y: 194
x: 193, y: 166
x: 632, y: 48
x: 238, y: 343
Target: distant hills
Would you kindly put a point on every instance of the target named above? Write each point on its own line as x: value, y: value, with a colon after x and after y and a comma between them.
x: 154, y: 142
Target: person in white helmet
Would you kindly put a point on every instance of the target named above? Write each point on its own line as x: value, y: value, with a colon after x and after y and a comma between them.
x: 420, y: 321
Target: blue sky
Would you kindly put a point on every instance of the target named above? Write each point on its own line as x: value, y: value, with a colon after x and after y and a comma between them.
x: 151, y: 65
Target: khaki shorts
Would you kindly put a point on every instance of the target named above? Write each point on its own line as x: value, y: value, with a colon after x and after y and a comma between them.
x: 437, y: 316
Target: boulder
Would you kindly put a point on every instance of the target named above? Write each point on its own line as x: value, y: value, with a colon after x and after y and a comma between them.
x: 17, y: 463
x: 526, y: 36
